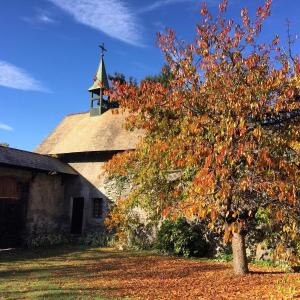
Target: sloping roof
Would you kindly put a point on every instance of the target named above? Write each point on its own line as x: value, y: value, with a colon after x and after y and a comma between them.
x: 100, y: 79
x: 82, y: 133
x: 29, y: 160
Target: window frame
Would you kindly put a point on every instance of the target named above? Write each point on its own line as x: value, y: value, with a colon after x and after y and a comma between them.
x: 97, y: 208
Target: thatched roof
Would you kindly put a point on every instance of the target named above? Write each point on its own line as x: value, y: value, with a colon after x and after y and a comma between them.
x: 82, y: 133
x: 10, y: 157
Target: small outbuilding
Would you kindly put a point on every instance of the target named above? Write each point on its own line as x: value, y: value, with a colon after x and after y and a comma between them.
x: 32, y: 195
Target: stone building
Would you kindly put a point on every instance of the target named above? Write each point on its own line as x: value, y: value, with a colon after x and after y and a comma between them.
x: 32, y: 193
x: 86, y: 141
x: 62, y: 185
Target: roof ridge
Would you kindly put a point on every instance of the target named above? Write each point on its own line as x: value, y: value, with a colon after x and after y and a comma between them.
x: 32, y: 160
x: 31, y: 152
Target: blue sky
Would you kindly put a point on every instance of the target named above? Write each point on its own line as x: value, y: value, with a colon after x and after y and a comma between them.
x: 49, y: 52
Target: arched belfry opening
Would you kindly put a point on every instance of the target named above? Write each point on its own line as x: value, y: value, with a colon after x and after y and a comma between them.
x: 99, y: 103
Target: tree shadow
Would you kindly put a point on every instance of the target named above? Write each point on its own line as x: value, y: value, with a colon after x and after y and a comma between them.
x: 58, y: 252
x: 266, y: 272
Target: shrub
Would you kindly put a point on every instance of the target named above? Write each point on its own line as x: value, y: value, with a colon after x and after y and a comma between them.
x: 96, y: 239
x: 131, y: 228
x: 181, y: 238
x: 44, y: 240
x: 140, y: 236
x: 224, y: 253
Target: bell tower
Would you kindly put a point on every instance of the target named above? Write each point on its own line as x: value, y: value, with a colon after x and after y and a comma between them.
x: 99, y: 103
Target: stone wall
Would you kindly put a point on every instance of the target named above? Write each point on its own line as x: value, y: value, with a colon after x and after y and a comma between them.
x: 92, y: 183
x: 48, y: 209
x: 89, y: 185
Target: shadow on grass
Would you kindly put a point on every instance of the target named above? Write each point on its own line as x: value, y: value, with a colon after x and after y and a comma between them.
x: 21, y: 254
x: 57, y: 253
x: 57, y: 293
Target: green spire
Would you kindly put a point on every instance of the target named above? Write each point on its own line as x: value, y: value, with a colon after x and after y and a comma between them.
x: 100, y: 80
x: 99, y: 102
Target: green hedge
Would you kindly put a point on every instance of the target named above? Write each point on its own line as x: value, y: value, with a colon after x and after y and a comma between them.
x: 181, y: 238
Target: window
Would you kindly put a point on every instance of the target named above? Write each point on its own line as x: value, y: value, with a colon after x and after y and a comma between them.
x: 98, y: 207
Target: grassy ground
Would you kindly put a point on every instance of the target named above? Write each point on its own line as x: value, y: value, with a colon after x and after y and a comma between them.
x: 93, y: 273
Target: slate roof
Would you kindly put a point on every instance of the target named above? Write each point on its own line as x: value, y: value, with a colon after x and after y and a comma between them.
x: 79, y: 133
x: 11, y: 157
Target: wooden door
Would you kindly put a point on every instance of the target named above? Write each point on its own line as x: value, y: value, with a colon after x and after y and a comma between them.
x: 11, y: 223
x: 11, y: 213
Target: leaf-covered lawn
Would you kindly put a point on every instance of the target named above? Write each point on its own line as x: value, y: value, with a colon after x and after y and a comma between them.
x: 97, y: 273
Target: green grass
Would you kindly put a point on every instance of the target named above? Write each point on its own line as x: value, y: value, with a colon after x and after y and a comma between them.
x: 54, y: 273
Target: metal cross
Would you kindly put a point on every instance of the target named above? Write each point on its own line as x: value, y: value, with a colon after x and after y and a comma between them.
x: 101, y: 46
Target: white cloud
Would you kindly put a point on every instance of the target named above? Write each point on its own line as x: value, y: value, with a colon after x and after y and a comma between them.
x: 17, y: 78
x: 40, y: 18
x: 5, y: 127
x: 113, y: 17
x: 43, y: 18
x: 161, y: 3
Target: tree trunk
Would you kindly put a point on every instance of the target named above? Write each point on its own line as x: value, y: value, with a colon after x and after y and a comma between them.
x: 240, y: 264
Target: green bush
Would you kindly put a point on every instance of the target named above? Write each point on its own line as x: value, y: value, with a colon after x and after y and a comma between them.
x: 181, y: 238
x: 46, y: 239
x: 140, y: 236
x: 96, y: 239
x: 224, y: 253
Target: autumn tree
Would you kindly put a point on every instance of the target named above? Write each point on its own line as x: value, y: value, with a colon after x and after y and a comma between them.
x: 222, y: 138
x: 163, y: 77
x: 121, y: 78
